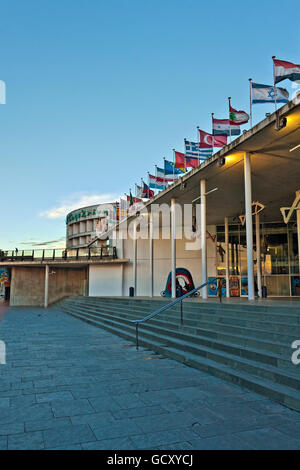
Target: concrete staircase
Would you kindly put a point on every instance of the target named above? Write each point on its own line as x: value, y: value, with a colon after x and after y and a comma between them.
x: 248, y: 345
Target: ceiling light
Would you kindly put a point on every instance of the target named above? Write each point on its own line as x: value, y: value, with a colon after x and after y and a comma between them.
x: 294, y: 148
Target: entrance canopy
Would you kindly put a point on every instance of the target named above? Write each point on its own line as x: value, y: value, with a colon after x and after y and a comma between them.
x: 275, y: 169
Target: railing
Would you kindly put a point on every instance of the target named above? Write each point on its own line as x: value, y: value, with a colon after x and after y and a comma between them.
x: 61, y: 254
x: 166, y: 307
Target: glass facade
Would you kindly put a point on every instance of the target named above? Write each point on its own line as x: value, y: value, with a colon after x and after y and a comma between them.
x: 279, y: 258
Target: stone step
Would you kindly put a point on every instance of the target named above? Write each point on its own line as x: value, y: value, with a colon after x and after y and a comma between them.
x: 282, y: 349
x: 242, y: 359
x: 274, y: 391
x: 283, y: 314
x: 289, y: 329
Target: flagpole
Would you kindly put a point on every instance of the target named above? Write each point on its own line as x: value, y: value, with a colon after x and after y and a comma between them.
x: 229, y: 98
x: 250, y: 89
x: 275, y: 94
x: 212, y: 131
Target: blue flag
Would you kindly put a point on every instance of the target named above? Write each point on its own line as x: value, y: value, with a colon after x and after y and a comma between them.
x: 171, y: 170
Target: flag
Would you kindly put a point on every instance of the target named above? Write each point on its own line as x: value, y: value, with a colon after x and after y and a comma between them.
x: 179, y: 159
x: 133, y: 200
x: 284, y: 70
x: 161, y: 173
x: 171, y: 170
x: 223, y: 127
x: 266, y: 94
x: 192, y: 162
x: 156, y: 183
x: 130, y: 199
x: 209, y: 140
x: 237, y: 117
x: 193, y: 149
x: 146, y: 191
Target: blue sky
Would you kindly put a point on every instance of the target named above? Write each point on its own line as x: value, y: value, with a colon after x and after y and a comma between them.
x: 99, y: 91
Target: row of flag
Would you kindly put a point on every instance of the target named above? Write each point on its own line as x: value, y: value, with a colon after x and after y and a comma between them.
x: 197, y: 152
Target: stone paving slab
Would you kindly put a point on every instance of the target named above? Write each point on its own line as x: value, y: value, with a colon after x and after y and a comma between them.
x: 69, y: 385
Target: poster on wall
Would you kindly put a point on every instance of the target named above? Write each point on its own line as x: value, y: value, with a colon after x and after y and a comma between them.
x: 234, y: 286
x: 213, y: 286
x: 244, y: 286
x: 4, y: 274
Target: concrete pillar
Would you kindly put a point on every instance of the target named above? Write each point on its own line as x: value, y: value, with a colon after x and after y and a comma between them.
x: 203, y: 237
x: 151, y: 254
x: 258, y: 256
x: 46, y: 299
x: 249, y: 227
x: 134, y: 258
x: 298, y: 229
x: 227, y: 257
x: 173, y: 247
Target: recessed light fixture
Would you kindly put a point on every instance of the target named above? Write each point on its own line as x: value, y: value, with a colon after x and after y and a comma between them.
x: 294, y: 148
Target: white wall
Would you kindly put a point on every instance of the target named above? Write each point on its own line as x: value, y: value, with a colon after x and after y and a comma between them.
x: 105, y: 280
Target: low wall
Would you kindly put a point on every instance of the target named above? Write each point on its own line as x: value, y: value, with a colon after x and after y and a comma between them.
x: 28, y: 284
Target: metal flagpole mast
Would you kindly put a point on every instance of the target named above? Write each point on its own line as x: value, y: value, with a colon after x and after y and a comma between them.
x: 212, y: 131
x: 229, y: 98
x: 275, y: 91
x: 250, y: 87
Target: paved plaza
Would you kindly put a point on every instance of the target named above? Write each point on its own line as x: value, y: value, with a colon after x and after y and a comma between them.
x: 70, y: 385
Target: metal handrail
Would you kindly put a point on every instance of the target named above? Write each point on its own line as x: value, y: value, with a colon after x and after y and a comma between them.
x: 165, y: 307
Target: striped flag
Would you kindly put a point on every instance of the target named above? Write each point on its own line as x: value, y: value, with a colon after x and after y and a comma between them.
x: 223, y: 127
x: 193, y: 149
x: 284, y: 70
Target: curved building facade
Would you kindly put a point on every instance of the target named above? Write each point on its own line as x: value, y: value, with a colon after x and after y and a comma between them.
x: 87, y: 223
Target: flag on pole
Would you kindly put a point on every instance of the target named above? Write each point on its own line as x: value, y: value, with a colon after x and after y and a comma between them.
x: 162, y: 174
x: 284, y: 70
x: 193, y: 149
x: 179, y: 159
x: 133, y: 200
x: 156, y: 183
x: 223, y: 127
x: 268, y: 94
x: 147, y: 192
x: 209, y: 140
x: 237, y: 117
x: 192, y: 162
x: 171, y: 170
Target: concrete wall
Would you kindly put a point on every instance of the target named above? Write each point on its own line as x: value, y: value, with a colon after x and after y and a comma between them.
x: 105, y: 280
x: 28, y: 285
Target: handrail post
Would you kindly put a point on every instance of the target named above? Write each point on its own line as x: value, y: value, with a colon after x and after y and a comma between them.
x: 181, y: 313
x: 137, y: 335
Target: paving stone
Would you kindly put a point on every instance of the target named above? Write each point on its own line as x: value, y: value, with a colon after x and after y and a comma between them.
x: 3, y: 443
x: 66, y: 435
x: 47, y: 397
x: 164, y: 421
x: 268, y: 439
x: 121, y: 443
x: 41, y: 425
x: 159, y: 438
x: 139, y: 411
x: 26, y: 441
x: 11, y: 428
x: 4, y: 402
x: 94, y: 418
x: 121, y: 428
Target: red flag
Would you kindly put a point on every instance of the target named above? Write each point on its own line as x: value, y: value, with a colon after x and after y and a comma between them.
x: 179, y: 159
x: 209, y: 140
x: 191, y: 162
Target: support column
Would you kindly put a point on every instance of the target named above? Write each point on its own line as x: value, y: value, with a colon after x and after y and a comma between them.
x: 258, y: 255
x: 173, y: 247
x: 151, y: 254
x: 249, y: 227
x: 227, y: 257
x: 134, y: 258
x: 203, y: 237
x: 298, y: 229
x: 46, y: 298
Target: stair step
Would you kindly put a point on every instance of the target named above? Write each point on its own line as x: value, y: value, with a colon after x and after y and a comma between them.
x: 277, y: 392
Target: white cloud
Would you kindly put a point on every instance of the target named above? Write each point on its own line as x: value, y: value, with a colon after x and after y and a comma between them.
x: 75, y: 202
